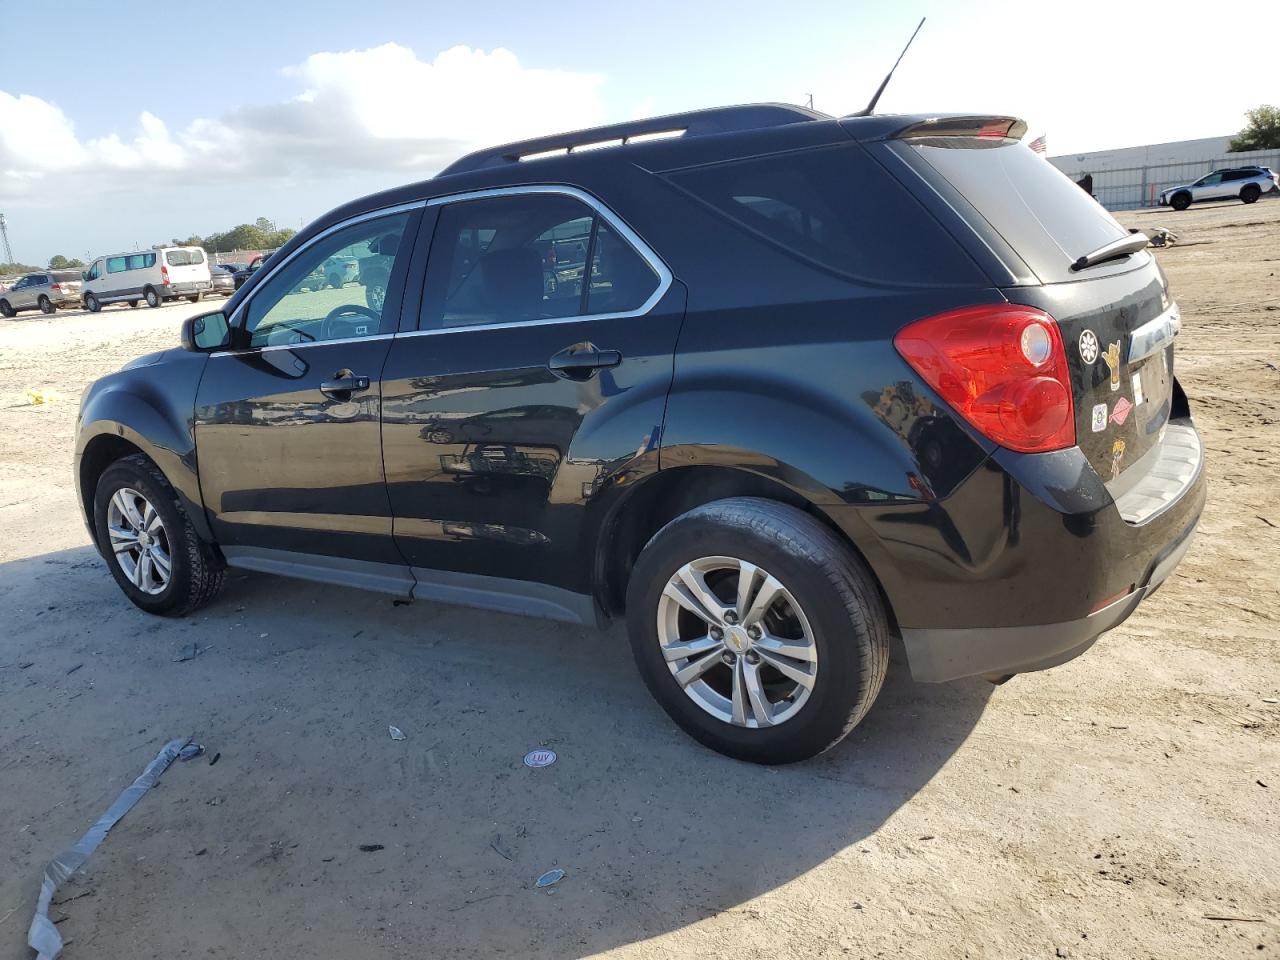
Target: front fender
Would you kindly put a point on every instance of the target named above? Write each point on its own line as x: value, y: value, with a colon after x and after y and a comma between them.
x: 149, y: 407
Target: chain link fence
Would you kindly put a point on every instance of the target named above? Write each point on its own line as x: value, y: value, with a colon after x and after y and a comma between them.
x: 1129, y: 188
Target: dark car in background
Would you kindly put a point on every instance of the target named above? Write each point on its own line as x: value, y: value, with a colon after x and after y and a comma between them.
x: 45, y: 291
x: 815, y: 383
x: 248, y: 270
x: 223, y: 277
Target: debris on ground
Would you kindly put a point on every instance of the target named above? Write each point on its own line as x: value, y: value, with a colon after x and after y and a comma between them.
x: 371, y: 847
x: 214, y: 759
x: 396, y: 733
x: 539, y: 758
x: 43, y: 935
x: 499, y: 849
x: 189, y: 652
x: 550, y: 878
x: 191, y: 751
x: 41, y: 398
x: 74, y: 669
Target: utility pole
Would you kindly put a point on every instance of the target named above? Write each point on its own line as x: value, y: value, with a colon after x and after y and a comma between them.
x: 4, y: 235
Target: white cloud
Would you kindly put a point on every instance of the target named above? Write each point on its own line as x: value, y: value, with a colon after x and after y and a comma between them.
x: 379, y: 109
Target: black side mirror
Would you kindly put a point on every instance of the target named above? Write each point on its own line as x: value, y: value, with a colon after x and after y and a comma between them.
x: 206, y: 332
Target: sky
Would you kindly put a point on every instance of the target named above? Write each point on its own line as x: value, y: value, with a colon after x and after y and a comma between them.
x: 127, y: 130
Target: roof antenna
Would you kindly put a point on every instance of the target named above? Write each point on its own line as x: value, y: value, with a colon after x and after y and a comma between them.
x: 866, y: 112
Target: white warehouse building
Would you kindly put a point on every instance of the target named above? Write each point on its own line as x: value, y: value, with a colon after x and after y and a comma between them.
x: 1132, y: 177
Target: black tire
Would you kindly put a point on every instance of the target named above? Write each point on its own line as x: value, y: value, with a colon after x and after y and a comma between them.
x: 829, y: 582
x: 46, y: 305
x: 1180, y: 201
x: 197, y: 571
x: 91, y: 303
x: 335, y: 282
x: 133, y: 303
x: 6, y: 309
x: 153, y: 299
x: 1250, y: 193
x: 194, y: 298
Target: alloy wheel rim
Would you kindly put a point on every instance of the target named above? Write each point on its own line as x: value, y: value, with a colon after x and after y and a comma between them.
x: 139, y: 541
x: 737, y: 642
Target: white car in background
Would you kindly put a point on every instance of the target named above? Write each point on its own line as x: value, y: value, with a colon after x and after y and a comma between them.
x: 1247, y: 183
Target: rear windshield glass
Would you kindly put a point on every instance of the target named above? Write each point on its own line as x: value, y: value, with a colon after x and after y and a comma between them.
x: 1048, y: 221
x: 183, y: 258
x: 835, y: 207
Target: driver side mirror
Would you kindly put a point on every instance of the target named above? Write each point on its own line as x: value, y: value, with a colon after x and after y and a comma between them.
x: 206, y: 332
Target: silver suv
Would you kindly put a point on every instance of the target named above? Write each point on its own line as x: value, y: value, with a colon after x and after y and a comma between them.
x: 48, y: 291
x: 1247, y: 183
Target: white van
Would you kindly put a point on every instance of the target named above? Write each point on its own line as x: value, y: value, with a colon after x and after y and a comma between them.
x: 157, y: 275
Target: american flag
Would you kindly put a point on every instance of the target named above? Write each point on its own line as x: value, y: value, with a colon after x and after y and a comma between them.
x: 1037, y: 145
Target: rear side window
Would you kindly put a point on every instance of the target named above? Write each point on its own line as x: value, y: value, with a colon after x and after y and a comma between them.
x: 835, y: 207
x: 140, y: 261
x: 1047, y: 220
x: 524, y: 258
x: 183, y: 258
x: 117, y: 264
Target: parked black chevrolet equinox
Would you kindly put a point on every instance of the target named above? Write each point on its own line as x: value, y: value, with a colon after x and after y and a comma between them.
x: 776, y: 386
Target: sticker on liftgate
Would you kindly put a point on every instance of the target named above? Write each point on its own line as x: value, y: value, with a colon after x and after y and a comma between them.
x: 1137, y: 389
x: 1120, y: 413
x: 1099, y: 417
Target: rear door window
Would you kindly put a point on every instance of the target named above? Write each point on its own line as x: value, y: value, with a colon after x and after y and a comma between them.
x: 1047, y: 220
x: 183, y: 258
x: 524, y: 258
x: 837, y: 208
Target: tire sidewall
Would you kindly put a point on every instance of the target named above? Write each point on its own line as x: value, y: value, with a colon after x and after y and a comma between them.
x: 125, y: 474
x: 841, y: 658
x: 92, y: 303
x: 1250, y: 194
x: 1180, y: 201
x: 6, y: 309
x: 153, y: 299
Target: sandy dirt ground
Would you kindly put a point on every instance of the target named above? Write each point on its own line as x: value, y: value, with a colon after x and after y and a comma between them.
x: 1119, y: 806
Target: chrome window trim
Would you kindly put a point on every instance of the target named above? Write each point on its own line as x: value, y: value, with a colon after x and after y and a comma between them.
x: 632, y: 238
x: 242, y: 306
x: 299, y: 346
x: 1155, y: 335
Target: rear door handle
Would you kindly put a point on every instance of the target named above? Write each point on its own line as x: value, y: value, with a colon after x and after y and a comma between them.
x: 582, y: 360
x: 343, y: 384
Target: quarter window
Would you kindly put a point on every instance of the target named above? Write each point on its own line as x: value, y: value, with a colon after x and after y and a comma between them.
x: 523, y: 258
x: 140, y: 261
x: 335, y: 289
x: 117, y: 264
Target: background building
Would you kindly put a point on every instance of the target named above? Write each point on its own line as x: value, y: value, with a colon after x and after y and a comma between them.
x: 1131, y: 177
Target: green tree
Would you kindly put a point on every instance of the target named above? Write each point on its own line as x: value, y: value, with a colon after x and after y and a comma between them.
x: 59, y: 262
x: 9, y: 269
x: 1261, y: 133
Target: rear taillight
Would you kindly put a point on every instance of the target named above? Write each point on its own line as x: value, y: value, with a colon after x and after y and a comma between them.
x: 55, y: 288
x: 164, y: 274
x: 1002, y: 367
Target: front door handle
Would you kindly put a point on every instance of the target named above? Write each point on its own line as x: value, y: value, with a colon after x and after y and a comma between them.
x: 582, y: 360
x: 343, y: 384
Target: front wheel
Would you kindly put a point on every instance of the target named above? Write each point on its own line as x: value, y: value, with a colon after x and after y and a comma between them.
x: 151, y: 547
x: 1180, y: 201
x: 91, y: 303
x: 133, y: 303
x: 1250, y: 193
x: 757, y: 629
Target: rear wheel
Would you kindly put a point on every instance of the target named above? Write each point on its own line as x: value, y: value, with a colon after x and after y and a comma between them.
x: 757, y: 630
x: 6, y: 309
x: 153, y: 298
x: 91, y: 303
x: 46, y: 305
x: 151, y: 548
x: 1180, y: 201
x: 133, y: 303
x: 1250, y: 192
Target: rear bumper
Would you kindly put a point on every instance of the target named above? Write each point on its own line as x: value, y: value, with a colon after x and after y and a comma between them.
x: 187, y: 288
x: 1028, y: 561
x: 948, y: 654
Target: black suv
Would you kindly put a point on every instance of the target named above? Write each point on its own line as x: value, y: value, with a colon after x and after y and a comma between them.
x: 775, y: 386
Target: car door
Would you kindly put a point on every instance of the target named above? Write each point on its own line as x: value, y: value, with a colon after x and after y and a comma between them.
x: 20, y: 297
x: 1209, y: 188
x: 534, y: 379
x: 286, y: 421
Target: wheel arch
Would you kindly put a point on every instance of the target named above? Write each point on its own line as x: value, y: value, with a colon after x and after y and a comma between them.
x: 116, y: 421
x: 670, y: 492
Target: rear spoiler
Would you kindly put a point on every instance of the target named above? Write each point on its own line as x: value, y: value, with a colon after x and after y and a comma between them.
x: 1002, y: 128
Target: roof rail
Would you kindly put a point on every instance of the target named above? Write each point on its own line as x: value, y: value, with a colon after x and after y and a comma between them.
x: 752, y: 116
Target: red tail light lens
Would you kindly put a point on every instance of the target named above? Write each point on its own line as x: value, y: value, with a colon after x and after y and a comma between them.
x: 1002, y: 367
x: 164, y: 274
x: 55, y: 288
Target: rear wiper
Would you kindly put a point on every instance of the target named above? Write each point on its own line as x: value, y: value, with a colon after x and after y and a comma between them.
x: 1112, y: 251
